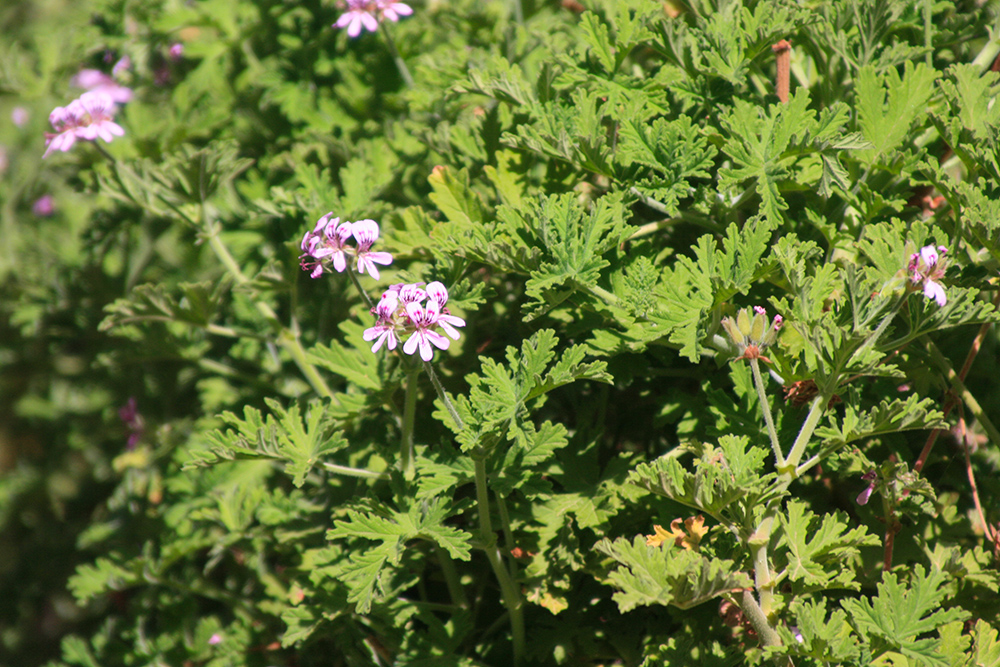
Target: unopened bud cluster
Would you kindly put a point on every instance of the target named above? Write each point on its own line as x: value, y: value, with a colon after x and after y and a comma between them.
x: 751, y: 334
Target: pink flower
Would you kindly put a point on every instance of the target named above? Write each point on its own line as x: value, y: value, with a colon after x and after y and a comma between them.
x: 872, y: 478
x: 401, y: 311
x: 99, y: 109
x: 367, y: 14
x: 129, y: 414
x: 424, y: 321
x: 926, y: 269
x: 19, y: 116
x: 438, y: 292
x: 97, y: 81
x: 412, y: 293
x: 176, y: 51
x: 65, y: 121
x: 325, y: 245
x: 385, y: 327
x: 393, y: 10
x: 365, y: 234
x: 87, y: 117
x: 122, y: 66
x: 360, y: 15
x: 44, y: 206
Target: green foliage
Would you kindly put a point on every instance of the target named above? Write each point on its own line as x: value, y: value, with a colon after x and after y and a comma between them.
x: 665, y: 575
x: 899, y: 614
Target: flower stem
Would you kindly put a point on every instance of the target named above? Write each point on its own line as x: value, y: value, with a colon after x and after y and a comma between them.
x: 406, y: 456
x: 354, y: 472
x: 508, y: 590
x: 357, y: 285
x: 443, y: 395
x: 765, y: 406
x: 400, y: 63
x: 451, y: 578
x: 508, y: 538
x: 816, y: 409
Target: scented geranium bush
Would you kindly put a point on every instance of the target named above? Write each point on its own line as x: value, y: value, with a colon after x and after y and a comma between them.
x: 514, y: 334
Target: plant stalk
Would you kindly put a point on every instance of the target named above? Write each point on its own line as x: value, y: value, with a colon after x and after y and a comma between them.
x: 404, y: 71
x: 508, y: 590
x: 407, y: 462
x: 765, y: 406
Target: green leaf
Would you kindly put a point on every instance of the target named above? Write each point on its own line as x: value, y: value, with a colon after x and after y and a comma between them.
x: 889, y: 416
x: 281, y: 437
x: 196, y: 304
x: 818, y: 550
x: 721, y: 476
x: 498, y: 398
x: 103, y: 576
x: 985, y: 646
x: 818, y: 638
x: 424, y: 519
x: 667, y: 575
x: 674, y: 150
x: 76, y: 651
x: 973, y: 93
x: 757, y: 139
x: 597, y: 38
x: 899, y: 614
x: 887, y: 105
x: 454, y: 197
x: 360, y: 367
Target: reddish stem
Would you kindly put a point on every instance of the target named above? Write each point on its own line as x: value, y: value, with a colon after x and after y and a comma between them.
x: 783, y: 58
x: 977, y: 343
x: 991, y: 534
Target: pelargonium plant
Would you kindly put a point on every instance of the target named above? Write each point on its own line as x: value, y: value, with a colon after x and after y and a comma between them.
x: 557, y: 420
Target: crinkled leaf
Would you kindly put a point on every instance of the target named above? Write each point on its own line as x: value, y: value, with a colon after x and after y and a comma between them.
x: 899, y: 614
x: 666, y: 575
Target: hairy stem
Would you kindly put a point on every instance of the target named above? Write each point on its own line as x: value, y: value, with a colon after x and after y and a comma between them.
x: 443, y: 395
x: 767, y: 634
x: 451, y: 578
x: 508, y: 539
x: 816, y: 410
x: 765, y: 406
x: 404, y: 71
x: 354, y: 472
x: 508, y: 590
x: 406, y: 455
x: 763, y: 577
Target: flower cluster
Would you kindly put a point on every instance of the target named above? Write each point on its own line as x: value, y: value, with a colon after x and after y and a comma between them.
x: 88, y: 117
x: 925, y: 268
x: 401, y: 311
x: 327, y: 245
x: 367, y: 14
x: 752, y: 335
